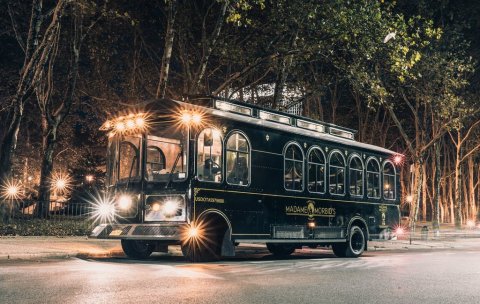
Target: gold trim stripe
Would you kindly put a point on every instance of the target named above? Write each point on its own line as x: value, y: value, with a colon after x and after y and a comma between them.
x: 298, y: 197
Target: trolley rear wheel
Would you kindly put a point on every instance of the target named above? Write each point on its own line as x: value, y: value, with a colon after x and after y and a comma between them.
x: 280, y: 250
x: 355, y: 245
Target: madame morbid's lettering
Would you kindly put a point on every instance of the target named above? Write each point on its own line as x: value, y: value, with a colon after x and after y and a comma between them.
x: 310, y: 210
x: 209, y: 200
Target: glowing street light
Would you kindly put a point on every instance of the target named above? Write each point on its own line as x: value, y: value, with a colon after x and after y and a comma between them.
x: 11, y: 190
x: 60, y: 182
x: 89, y: 178
x: 409, y: 199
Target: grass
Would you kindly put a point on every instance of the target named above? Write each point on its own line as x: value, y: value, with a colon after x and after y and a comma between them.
x: 47, y: 227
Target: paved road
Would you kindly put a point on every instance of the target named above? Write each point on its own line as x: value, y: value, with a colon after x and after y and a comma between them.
x: 310, y: 276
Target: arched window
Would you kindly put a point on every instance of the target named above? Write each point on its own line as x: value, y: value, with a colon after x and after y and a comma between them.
x: 356, y: 176
x: 238, y: 160
x: 373, y: 178
x: 209, y: 156
x: 155, y: 163
x: 293, y: 168
x: 337, y: 173
x: 128, y: 160
x: 316, y: 171
x: 388, y: 180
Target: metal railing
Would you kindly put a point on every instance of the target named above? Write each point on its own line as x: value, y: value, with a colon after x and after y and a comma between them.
x: 58, y: 218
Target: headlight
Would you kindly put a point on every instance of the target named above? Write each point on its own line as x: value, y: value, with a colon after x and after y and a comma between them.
x: 170, y: 208
x: 163, y: 208
x: 124, y: 202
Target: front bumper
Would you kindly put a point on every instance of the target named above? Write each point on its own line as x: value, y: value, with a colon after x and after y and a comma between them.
x: 167, y: 232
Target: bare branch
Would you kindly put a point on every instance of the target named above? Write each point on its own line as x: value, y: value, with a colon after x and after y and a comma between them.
x: 15, y: 30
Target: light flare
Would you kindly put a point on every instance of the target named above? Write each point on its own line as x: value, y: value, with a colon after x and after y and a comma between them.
x: 11, y: 190
x: 156, y: 207
x: 130, y: 124
x: 398, y: 159
x: 196, y: 118
x: 170, y: 208
x: 186, y: 117
x: 102, y: 208
x: 124, y: 201
x: 190, y: 117
x: 120, y: 126
x: 61, y: 182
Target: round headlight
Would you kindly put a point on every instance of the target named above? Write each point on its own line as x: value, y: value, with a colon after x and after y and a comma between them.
x: 124, y: 201
x: 170, y: 207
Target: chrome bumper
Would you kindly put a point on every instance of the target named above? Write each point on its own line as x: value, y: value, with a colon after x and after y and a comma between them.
x: 137, y: 231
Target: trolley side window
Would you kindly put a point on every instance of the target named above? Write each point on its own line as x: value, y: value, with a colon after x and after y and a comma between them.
x: 388, y: 181
x: 356, y: 176
x: 238, y: 160
x: 316, y: 171
x: 293, y: 168
x: 373, y: 178
x: 209, y: 156
x: 337, y: 173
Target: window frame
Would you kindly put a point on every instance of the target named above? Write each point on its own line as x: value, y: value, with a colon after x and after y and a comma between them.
x: 249, y: 163
x: 317, y: 164
x: 294, y: 143
x: 380, y: 184
x: 344, y: 171
x: 139, y: 161
x: 394, y: 180
x: 351, y: 157
x: 162, y: 156
x: 195, y: 164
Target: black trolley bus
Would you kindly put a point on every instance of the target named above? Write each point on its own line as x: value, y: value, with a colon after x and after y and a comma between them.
x: 210, y: 174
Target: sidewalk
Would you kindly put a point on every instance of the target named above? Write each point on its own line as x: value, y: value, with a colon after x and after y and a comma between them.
x: 39, y: 248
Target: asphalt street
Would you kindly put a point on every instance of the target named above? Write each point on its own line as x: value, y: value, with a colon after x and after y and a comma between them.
x: 309, y: 276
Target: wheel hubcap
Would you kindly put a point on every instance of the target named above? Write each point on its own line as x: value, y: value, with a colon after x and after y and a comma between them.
x: 357, y: 241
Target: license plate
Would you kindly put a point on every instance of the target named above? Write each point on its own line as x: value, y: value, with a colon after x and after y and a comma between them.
x: 116, y: 232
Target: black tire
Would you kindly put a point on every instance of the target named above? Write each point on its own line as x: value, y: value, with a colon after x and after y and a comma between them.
x: 339, y: 249
x: 138, y: 249
x: 206, y: 248
x: 280, y: 250
x: 354, y: 247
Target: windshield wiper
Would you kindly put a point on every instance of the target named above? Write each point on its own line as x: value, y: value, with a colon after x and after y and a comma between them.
x: 130, y: 173
x: 170, y: 176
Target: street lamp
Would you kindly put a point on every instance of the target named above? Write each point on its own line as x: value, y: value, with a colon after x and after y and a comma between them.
x: 10, y: 192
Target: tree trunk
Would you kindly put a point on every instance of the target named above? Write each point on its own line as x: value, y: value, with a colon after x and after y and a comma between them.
x: 436, y: 199
x: 285, y: 64
x: 167, y: 51
x: 417, y: 195
x: 424, y: 192
x: 49, y: 141
x: 471, y: 188
x: 9, y: 141
x: 458, y: 197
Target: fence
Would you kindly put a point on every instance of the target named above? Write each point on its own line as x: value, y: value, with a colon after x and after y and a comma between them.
x: 62, y: 218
